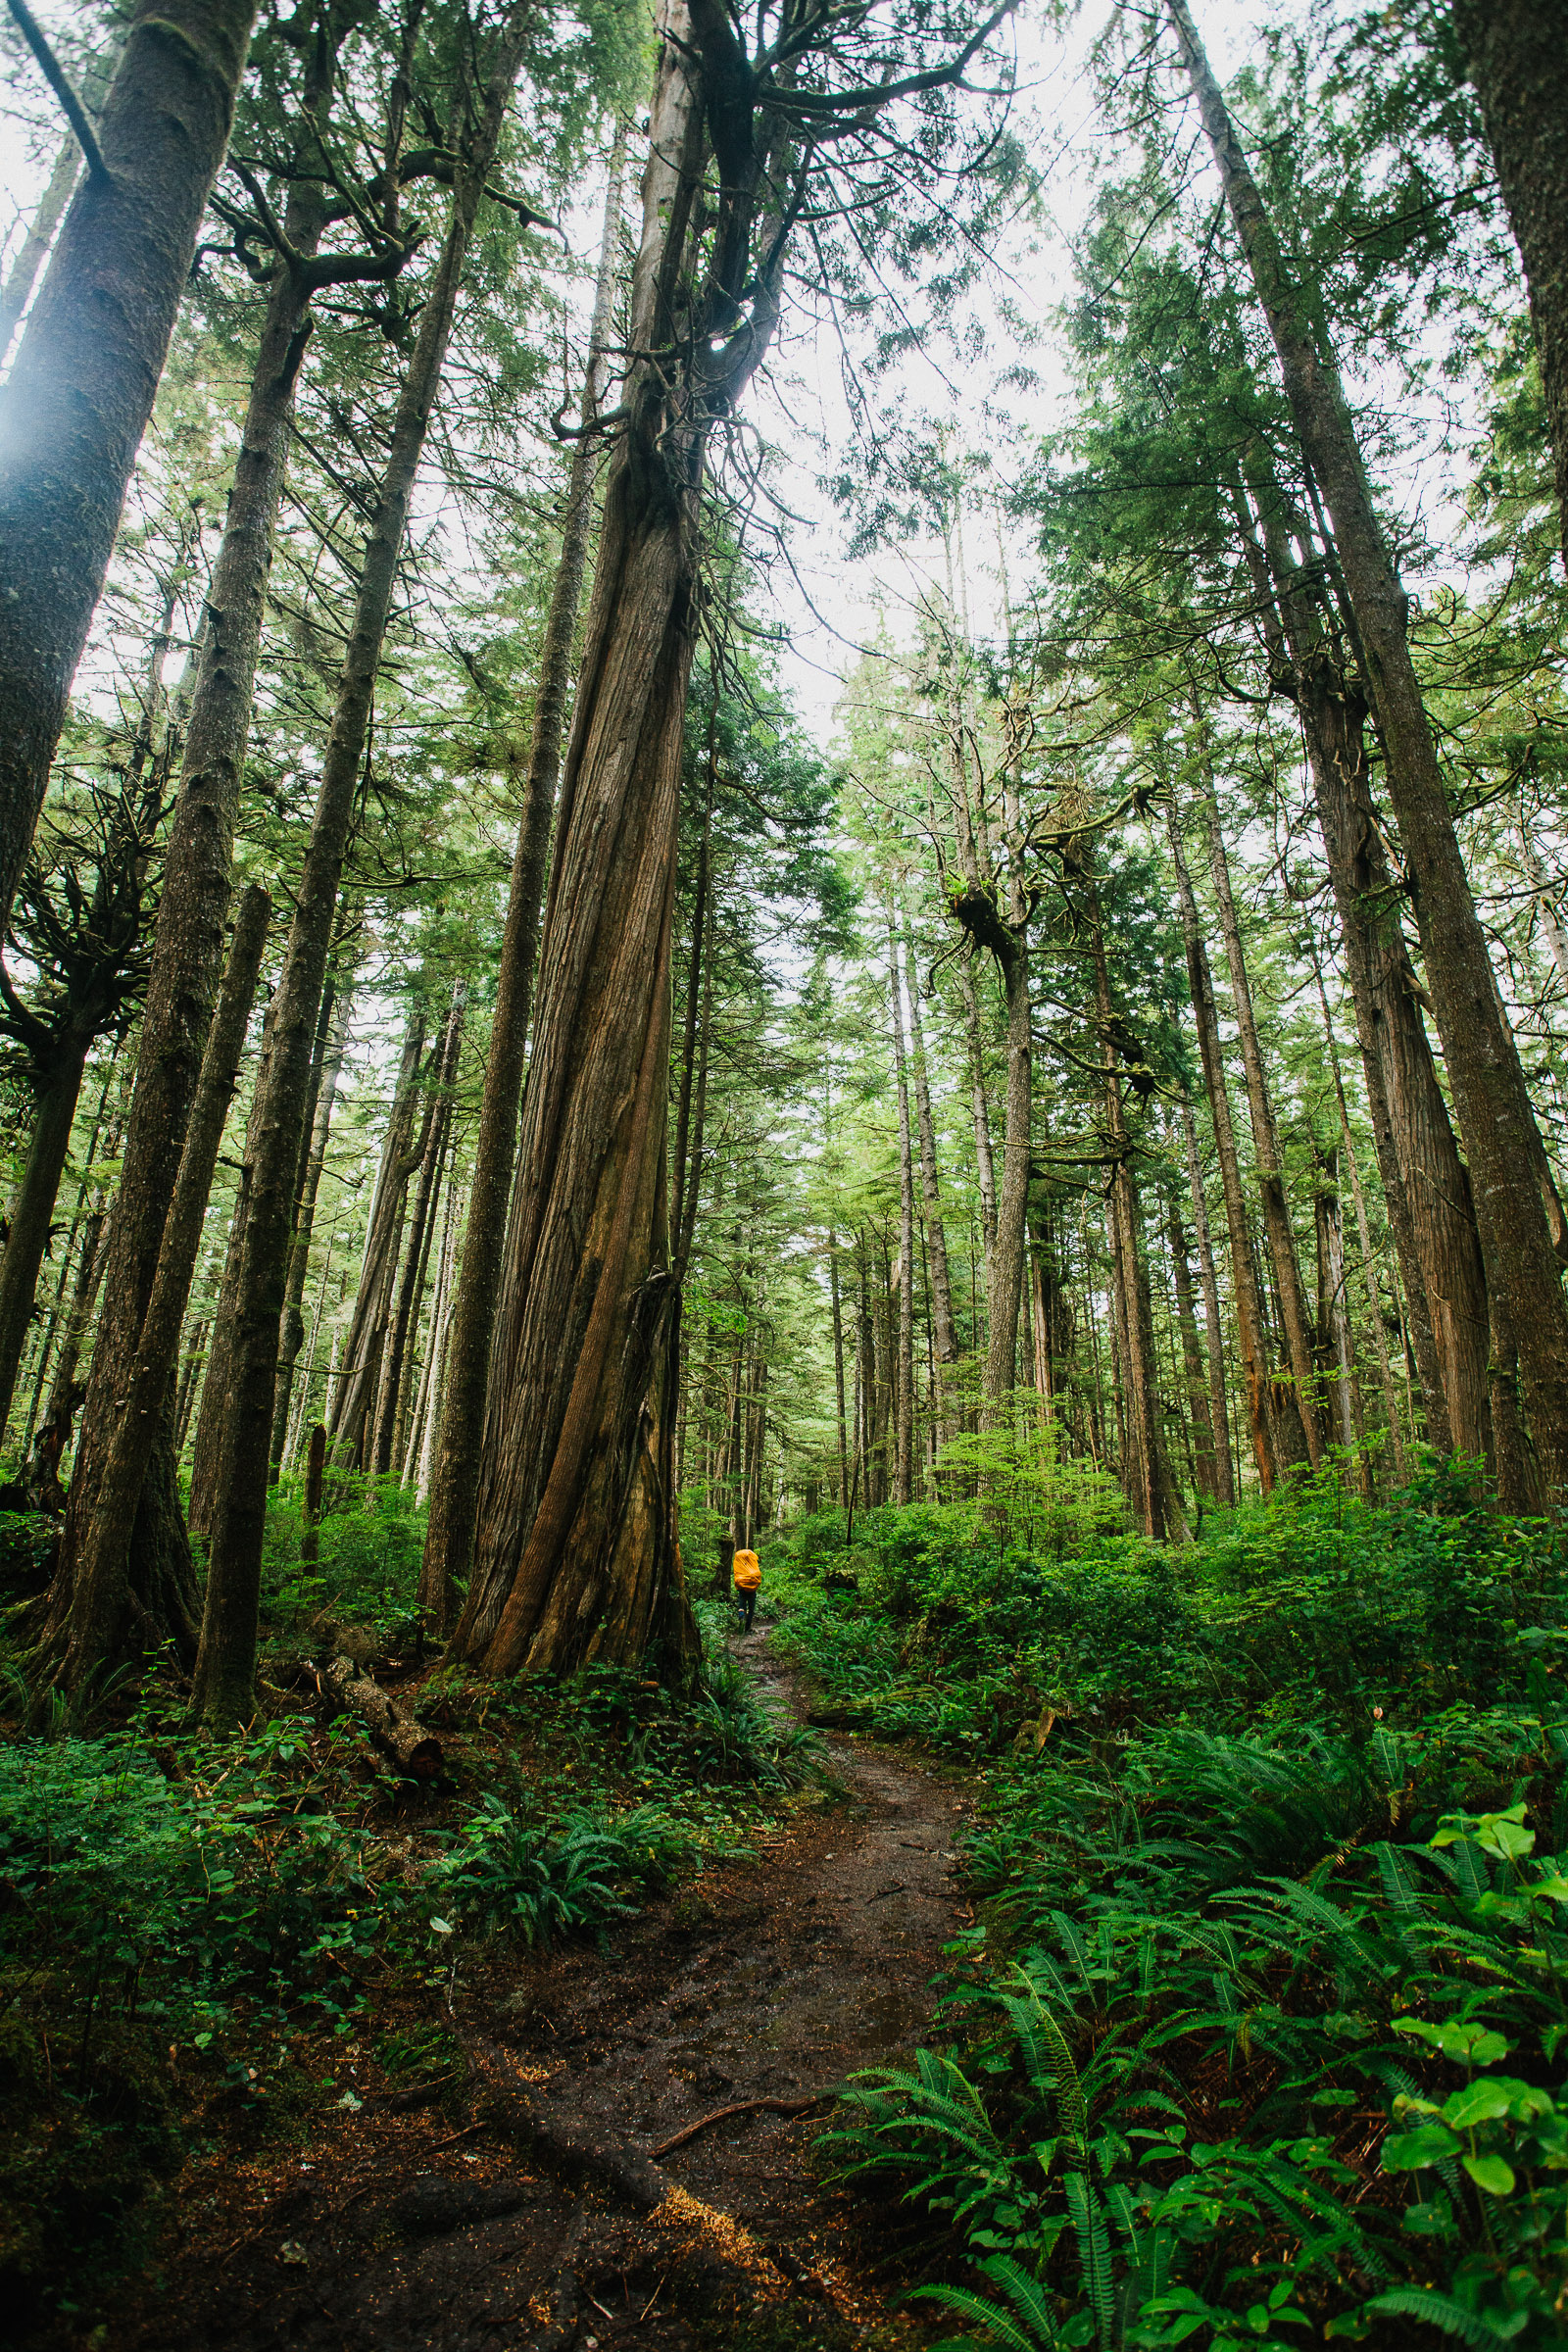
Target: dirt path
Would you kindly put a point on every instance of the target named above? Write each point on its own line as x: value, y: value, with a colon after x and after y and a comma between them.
x: 772, y: 1982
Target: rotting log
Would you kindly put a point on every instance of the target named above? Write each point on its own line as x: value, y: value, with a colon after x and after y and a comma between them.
x: 415, y: 1752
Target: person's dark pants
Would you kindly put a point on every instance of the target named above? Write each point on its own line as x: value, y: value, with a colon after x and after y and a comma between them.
x: 747, y: 1601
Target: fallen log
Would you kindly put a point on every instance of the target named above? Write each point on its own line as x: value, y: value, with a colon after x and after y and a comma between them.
x: 415, y: 1752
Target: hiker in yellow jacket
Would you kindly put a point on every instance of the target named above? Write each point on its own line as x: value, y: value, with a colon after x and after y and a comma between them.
x: 748, y: 1584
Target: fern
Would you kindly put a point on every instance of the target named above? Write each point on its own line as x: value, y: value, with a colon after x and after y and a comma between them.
x: 1442, y: 2311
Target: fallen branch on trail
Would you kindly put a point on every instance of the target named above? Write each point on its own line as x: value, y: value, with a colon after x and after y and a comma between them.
x: 560, y: 2137
x: 722, y: 2115
x: 415, y: 1752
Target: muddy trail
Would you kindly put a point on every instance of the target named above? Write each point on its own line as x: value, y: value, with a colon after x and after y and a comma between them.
x: 578, y: 2190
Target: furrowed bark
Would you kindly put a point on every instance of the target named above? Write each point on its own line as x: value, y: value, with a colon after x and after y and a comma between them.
x: 188, y: 943
x: 1496, y: 1119
x: 449, y: 1533
x: 1516, y: 56
x: 1426, y: 1185
x: 226, y: 1667
x: 75, y: 405
x: 101, y: 1596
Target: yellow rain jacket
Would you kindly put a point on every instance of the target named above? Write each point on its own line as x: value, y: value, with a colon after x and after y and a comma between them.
x: 748, y: 1572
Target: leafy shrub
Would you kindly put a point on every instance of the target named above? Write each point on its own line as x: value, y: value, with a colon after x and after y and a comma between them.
x: 542, y: 1880
x: 1260, y: 2031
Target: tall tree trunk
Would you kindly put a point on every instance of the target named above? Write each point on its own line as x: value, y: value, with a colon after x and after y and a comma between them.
x: 1516, y: 55
x: 1206, y: 1471
x: 1425, y: 1184
x: 411, y: 1288
x: 102, y: 1597
x: 1251, y: 1338
x: 940, y: 1285
x: 449, y: 1533
x: 76, y: 401
x: 225, y: 1669
x: 32, y: 1210
x: 292, y: 1335
x: 1265, y: 1132
x: 188, y: 943
x: 71, y: 1264
x: 984, y: 1161
x: 904, y: 1435
x: 1496, y: 1119
x: 22, y: 275
x: 349, y: 1410
x: 574, y: 1550
x: 207, y: 1446
x: 1391, y: 1401
x: 1218, y: 1404
x: 838, y: 1364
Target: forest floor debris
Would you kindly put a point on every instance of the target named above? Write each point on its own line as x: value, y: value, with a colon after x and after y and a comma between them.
x: 448, y: 2221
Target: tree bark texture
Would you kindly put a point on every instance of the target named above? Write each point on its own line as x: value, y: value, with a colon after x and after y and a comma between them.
x: 101, y: 1593
x: 1213, y: 1328
x: 188, y: 943
x: 903, y: 1434
x: 1425, y: 1182
x: 32, y: 1210
x: 226, y: 1667
x: 292, y: 1335
x: 1496, y: 1119
x: 1266, y: 1143
x: 1516, y: 56
x: 1251, y: 1338
x: 945, y: 1336
x: 575, y: 1552
x: 449, y: 1532
x: 75, y: 405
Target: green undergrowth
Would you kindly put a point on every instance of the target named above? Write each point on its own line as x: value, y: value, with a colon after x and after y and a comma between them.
x: 1260, y: 2033
x: 203, y: 1943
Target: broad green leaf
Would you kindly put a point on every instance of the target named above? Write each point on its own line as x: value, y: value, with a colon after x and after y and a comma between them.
x: 1410, y: 2151
x: 1490, y: 2173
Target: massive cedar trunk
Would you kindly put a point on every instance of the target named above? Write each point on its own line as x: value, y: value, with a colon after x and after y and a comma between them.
x: 904, y: 1432
x: 1496, y: 1119
x: 575, y: 1552
x: 1516, y: 55
x: 193, y: 908
x: 101, y: 1598
x: 225, y: 1665
x: 1249, y: 1333
x: 32, y: 1210
x: 449, y: 1532
x: 76, y: 401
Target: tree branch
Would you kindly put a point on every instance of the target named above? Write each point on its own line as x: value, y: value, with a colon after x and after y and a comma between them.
x: 54, y: 74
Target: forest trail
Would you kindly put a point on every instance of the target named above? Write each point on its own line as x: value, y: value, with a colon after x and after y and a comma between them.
x: 444, y: 2231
